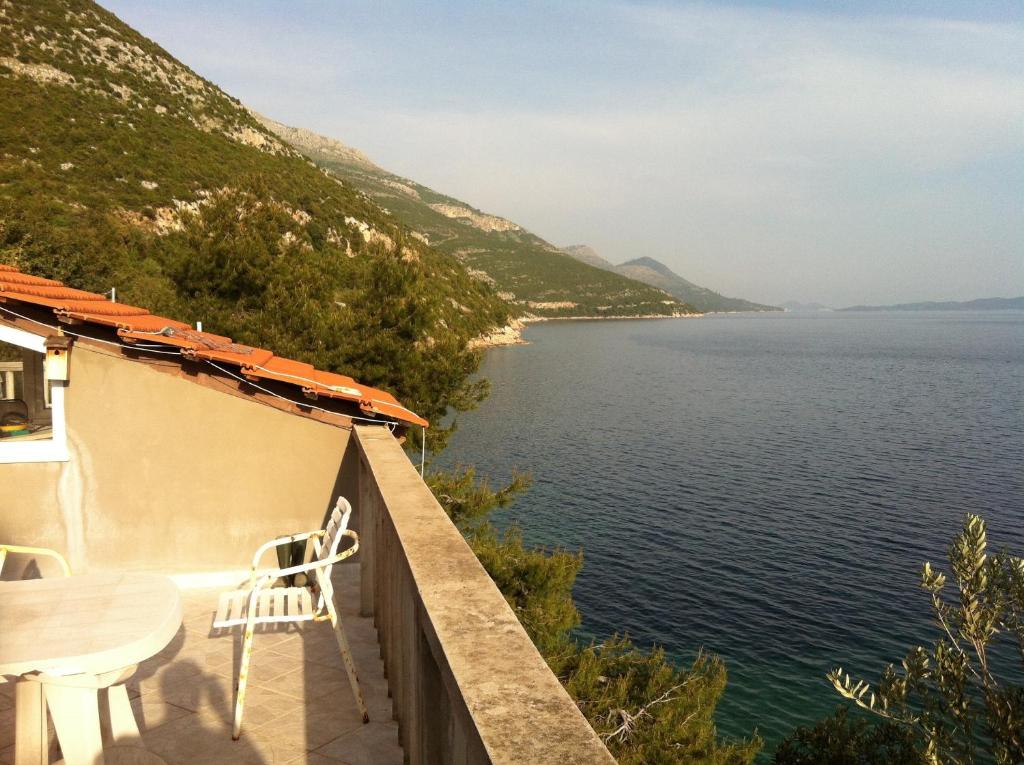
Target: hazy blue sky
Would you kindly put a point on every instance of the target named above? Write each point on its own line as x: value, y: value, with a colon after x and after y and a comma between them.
x: 844, y: 152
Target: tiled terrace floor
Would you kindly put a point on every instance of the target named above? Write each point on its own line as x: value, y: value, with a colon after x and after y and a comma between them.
x: 299, y: 706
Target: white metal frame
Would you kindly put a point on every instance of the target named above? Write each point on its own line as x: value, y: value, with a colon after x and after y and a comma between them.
x: 252, y: 606
x: 43, y: 551
x: 55, y: 448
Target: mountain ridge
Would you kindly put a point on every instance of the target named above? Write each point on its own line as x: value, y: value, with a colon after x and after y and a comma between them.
x: 535, y: 276
x: 657, y: 274
x: 331, y: 147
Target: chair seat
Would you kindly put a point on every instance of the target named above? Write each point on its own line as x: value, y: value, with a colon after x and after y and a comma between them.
x: 281, y: 604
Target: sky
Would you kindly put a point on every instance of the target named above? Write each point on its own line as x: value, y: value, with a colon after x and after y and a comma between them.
x: 840, y: 152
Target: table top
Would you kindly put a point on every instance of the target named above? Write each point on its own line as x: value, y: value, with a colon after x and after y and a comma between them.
x: 88, y: 624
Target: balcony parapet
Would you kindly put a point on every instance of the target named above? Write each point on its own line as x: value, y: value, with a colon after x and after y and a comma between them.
x: 467, y: 684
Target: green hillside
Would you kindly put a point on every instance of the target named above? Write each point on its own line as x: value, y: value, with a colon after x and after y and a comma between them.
x: 526, y: 270
x: 657, y: 274
x: 120, y: 167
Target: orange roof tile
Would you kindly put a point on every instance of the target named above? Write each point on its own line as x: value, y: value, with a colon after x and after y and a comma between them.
x: 135, y: 324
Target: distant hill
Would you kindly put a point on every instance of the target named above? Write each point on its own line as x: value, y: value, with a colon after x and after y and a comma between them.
x: 981, y: 304
x: 586, y: 254
x: 657, y: 274
x: 525, y: 270
x: 798, y: 307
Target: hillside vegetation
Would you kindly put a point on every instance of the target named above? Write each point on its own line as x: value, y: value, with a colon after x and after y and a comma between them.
x: 534, y: 275
x: 657, y: 274
x: 120, y: 167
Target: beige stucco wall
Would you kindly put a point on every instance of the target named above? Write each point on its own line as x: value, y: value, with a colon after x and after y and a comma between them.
x: 167, y: 474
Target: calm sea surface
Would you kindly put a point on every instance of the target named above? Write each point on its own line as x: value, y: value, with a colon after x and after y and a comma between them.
x: 765, y: 487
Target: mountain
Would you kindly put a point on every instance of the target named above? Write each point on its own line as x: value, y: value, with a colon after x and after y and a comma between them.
x: 797, y: 307
x: 587, y: 254
x: 121, y: 167
x: 657, y: 274
x: 537, y: 277
x: 981, y: 304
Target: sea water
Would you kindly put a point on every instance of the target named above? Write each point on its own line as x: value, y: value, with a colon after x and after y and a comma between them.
x: 765, y: 487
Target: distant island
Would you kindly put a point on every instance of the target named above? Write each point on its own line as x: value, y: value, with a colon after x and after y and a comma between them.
x: 797, y: 306
x: 981, y: 304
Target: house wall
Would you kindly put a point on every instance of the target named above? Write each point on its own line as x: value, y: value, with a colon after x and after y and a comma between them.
x: 170, y: 475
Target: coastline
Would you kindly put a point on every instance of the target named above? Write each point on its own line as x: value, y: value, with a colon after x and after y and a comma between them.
x: 512, y: 333
x: 538, y: 319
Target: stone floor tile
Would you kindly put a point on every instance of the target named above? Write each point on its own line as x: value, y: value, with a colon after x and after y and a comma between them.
x: 314, y: 724
x: 315, y: 758
x: 276, y: 744
x: 378, y: 703
x: 265, y: 667
x: 273, y: 635
x: 310, y: 682
x: 184, y: 685
x: 372, y: 744
x: 201, y: 621
x: 152, y: 712
x: 200, y: 739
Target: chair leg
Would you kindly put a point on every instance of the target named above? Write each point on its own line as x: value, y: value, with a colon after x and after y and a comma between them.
x: 346, y: 657
x: 243, y: 676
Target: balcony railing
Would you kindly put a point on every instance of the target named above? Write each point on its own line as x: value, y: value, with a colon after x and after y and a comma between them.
x: 467, y: 684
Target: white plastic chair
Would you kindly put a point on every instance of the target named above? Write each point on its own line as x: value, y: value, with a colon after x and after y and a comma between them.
x: 262, y: 603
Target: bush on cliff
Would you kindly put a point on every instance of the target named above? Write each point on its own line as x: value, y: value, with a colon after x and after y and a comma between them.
x: 845, y: 740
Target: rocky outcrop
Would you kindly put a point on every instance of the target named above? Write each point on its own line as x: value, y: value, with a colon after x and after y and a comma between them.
x: 478, y: 220
x: 551, y: 305
x: 309, y: 142
x: 510, y: 334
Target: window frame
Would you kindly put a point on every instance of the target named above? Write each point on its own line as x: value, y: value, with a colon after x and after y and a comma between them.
x: 54, y: 449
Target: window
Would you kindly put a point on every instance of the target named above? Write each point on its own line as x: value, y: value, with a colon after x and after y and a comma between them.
x: 31, y: 407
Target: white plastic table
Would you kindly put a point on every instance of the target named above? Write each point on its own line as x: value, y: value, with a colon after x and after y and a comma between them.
x: 73, y: 636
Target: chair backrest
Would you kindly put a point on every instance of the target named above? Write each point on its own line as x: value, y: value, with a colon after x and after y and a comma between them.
x: 327, y: 546
x: 36, y: 551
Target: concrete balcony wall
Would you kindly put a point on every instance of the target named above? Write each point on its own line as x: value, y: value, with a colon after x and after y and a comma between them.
x: 169, y: 475
x: 467, y: 684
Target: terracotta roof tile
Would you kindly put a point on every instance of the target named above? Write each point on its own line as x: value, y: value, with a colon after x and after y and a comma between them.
x: 136, y: 325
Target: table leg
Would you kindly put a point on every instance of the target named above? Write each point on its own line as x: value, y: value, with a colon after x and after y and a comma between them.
x: 123, y: 726
x: 76, y: 716
x: 31, y: 739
